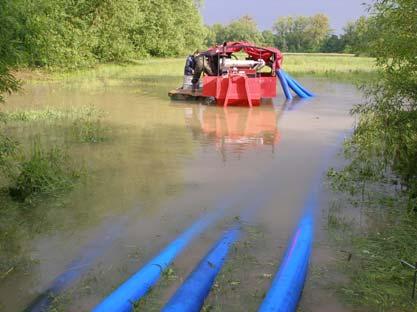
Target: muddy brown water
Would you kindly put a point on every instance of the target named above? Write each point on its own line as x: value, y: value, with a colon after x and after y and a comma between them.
x: 167, y: 164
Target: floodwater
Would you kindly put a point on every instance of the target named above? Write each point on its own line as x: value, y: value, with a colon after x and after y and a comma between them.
x: 166, y: 165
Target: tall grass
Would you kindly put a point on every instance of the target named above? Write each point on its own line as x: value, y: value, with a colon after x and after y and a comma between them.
x: 330, y: 66
x: 89, y: 130
x: 42, y: 172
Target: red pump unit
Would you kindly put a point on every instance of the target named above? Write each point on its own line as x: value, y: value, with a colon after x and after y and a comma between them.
x: 235, y: 81
x: 242, y: 82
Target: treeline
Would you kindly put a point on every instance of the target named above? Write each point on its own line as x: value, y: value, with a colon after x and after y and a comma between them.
x: 297, y: 34
x: 77, y: 33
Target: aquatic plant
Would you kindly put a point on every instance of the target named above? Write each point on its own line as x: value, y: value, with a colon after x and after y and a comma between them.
x: 8, y: 147
x: 86, y: 124
x: 89, y: 130
x: 45, y: 171
x: 51, y: 114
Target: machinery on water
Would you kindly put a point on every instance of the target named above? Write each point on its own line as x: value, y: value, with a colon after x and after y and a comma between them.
x: 230, y: 80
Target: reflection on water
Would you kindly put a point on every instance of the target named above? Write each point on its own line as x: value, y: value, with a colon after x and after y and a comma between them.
x: 159, y: 171
x: 236, y: 129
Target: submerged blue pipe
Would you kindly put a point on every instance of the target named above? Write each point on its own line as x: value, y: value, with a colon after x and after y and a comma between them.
x: 288, y: 284
x: 139, y: 284
x: 284, y: 84
x: 191, y: 295
x: 75, y: 270
x: 302, y: 88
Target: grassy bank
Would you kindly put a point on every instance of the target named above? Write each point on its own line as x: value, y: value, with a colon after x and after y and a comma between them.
x: 333, y: 66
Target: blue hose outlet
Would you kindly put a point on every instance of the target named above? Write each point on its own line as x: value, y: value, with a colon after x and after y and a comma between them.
x: 284, y: 84
x: 296, y: 89
x: 302, y: 88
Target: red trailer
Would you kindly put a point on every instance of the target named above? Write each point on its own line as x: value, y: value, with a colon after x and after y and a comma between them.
x: 237, y: 81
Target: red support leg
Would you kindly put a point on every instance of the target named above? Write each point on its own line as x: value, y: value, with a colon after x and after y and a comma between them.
x: 226, y: 100
x: 247, y: 91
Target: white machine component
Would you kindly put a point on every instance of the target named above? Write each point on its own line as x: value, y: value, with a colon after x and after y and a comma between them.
x: 227, y: 63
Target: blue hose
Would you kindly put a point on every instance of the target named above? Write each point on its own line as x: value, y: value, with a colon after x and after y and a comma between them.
x: 288, y: 284
x: 139, y: 284
x: 191, y: 295
x: 302, y: 88
x: 284, y: 84
x: 296, y: 89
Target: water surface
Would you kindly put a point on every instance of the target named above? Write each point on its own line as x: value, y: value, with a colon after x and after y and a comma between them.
x: 165, y: 165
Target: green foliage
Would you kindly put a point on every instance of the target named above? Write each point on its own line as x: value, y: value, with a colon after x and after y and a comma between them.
x: 333, y: 44
x: 299, y: 34
x: 215, y: 34
x: 302, y: 34
x: 73, y: 34
x: 359, y: 35
x: 382, y: 154
x: 268, y: 38
x: 9, y: 27
x: 389, y: 116
x: 242, y: 29
x: 168, y: 28
x: 53, y: 34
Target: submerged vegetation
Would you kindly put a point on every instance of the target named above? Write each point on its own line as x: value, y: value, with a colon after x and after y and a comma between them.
x: 43, y: 172
x: 36, y: 173
x: 84, y: 123
x: 28, y: 179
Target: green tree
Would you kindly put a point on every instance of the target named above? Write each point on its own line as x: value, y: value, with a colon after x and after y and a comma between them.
x: 268, y: 38
x: 358, y: 35
x: 301, y: 34
x: 243, y: 29
x: 387, y: 131
x: 53, y: 34
x: 318, y: 30
x: 333, y: 44
x: 9, y: 47
x: 216, y: 34
x: 169, y: 28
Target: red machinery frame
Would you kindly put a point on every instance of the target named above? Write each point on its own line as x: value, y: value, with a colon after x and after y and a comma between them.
x: 245, y: 87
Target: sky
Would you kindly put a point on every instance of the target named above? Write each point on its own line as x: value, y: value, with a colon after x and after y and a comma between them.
x: 265, y: 12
